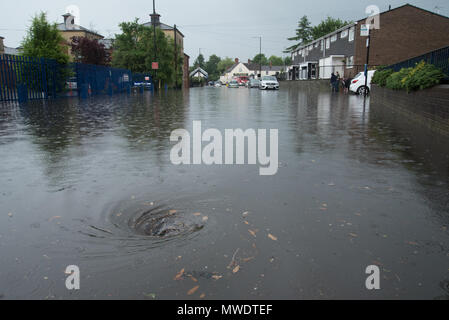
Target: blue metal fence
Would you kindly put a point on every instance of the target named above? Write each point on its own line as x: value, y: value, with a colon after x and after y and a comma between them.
x: 26, y: 78
x: 439, y: 58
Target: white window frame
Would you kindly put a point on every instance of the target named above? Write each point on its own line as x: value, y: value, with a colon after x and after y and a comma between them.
x: 328, y: 43
x: 351, y: 34
x: 344, y: 34
x: 334, y: 38
x: 350, y: 62
x: 322, y: 45
x: 317, y: 44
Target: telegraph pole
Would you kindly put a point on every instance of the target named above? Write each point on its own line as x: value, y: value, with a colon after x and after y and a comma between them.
x: 260, y: 56
x: 176, y: 58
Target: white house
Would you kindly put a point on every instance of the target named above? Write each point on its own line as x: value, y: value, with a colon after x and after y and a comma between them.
x: 250, y: 70
x: 199, y: 73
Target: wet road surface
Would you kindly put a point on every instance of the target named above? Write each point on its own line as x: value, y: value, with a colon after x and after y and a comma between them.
x: 91, y: 184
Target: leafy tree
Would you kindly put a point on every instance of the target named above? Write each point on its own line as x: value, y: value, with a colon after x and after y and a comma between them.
x: 225, y: 64
x: 43, y: 40
x: 212, y: 67
x: 303, y: 34
x: 200, y: 62
x: 276, y: 61
x: 327, y: 26
x: 90, y: 51
x: 288, y: 61
x: 260, y: 59
x: 134, y: 50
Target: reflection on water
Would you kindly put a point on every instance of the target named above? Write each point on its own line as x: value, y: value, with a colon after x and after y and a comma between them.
x: 90, y: 183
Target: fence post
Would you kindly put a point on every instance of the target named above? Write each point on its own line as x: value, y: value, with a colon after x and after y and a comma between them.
x: 22, y: 92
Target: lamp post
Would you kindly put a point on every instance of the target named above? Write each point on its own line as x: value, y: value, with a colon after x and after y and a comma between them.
x: 260, y: 56
x: 154, y: 36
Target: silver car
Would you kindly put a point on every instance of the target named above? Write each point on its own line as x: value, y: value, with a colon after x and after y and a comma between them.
x: 269, y: 83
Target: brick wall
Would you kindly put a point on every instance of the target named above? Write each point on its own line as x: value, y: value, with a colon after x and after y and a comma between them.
x: 429, y: 108
x: 404, y: 33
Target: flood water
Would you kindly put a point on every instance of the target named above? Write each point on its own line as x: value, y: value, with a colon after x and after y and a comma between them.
x: 90, y: 183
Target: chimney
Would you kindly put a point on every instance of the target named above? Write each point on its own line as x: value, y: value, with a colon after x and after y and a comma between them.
x: 2, y: 47
x: 155, y: 19
x: 69, y: 21
x: 249, y: 61
x: 236, y: 60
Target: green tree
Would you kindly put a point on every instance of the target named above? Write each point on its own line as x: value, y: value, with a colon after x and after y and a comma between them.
x: 199, y: 62
x: 260, y: 59
x: 224, y: 65
x: 303, y: 34
x: 212, y: 67
x: 327, y: 26
x: 43, y: 40
x: 134, y: 50
x: 276, y: 61
x: 288, y: 61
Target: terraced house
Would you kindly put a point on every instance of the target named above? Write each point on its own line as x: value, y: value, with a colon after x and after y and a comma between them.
x: 405, y: 32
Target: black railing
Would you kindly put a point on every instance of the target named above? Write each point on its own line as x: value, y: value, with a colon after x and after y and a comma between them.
x: 439, y: 58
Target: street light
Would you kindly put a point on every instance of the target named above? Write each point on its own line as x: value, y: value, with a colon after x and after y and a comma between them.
x: 260, y: 56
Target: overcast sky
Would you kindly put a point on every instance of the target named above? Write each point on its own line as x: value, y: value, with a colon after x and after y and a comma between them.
x: 224, y: 27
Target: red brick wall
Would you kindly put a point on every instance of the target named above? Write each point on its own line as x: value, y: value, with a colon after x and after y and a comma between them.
x: 404, y: 33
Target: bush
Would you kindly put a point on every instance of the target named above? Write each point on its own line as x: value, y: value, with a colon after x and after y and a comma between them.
x: 420, y: 77
x: 394, y: 81
x: 381, y: 76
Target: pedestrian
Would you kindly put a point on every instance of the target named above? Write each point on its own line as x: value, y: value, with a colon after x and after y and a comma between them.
x: 347, y: 85
x: 337, y: 82
x: 333, y: 80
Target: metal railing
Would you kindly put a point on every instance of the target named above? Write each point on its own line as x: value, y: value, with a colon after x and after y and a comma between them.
x: 439, y: 58
x: 26, y: 78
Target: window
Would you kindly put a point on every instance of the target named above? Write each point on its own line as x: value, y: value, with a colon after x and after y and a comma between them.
x: 328, y: 43
x: 349, y: 62
x: 344, y: 34
x: 351, y: 34
x: 317, y: 44
x: 322, y: 45
x: 334, y: 38
x: 310, y: 48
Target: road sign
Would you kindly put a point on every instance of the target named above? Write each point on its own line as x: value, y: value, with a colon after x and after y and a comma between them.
x: 364, y: 30
x: 147, y: 78
x: 155, y: 65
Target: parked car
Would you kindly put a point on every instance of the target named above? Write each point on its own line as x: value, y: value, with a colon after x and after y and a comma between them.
x: 269, y: 82
x: 217, y: 84
x: 253, y: 83
x: 358, y: 83
x: 233, y: 84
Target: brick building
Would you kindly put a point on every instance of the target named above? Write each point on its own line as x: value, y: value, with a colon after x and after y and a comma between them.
x: 405, y: 32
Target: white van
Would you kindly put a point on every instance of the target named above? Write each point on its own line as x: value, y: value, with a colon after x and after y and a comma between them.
x: 358, y: 83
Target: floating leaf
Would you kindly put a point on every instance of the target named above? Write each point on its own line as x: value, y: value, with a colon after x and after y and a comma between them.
x: 353, y: 235
x: 193, y: 290
x: 202, y: 296
x: 253, y: 233
x: 236, y: 269
x: 179, y: 275
x: 172, y: 211
x: 205, y: 218
x: 216, y: 277
x: 197, y: 214
x: 272, y: 237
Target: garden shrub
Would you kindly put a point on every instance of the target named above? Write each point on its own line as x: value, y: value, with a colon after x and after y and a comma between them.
x: 422, y: 76
x: 380, y: 76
